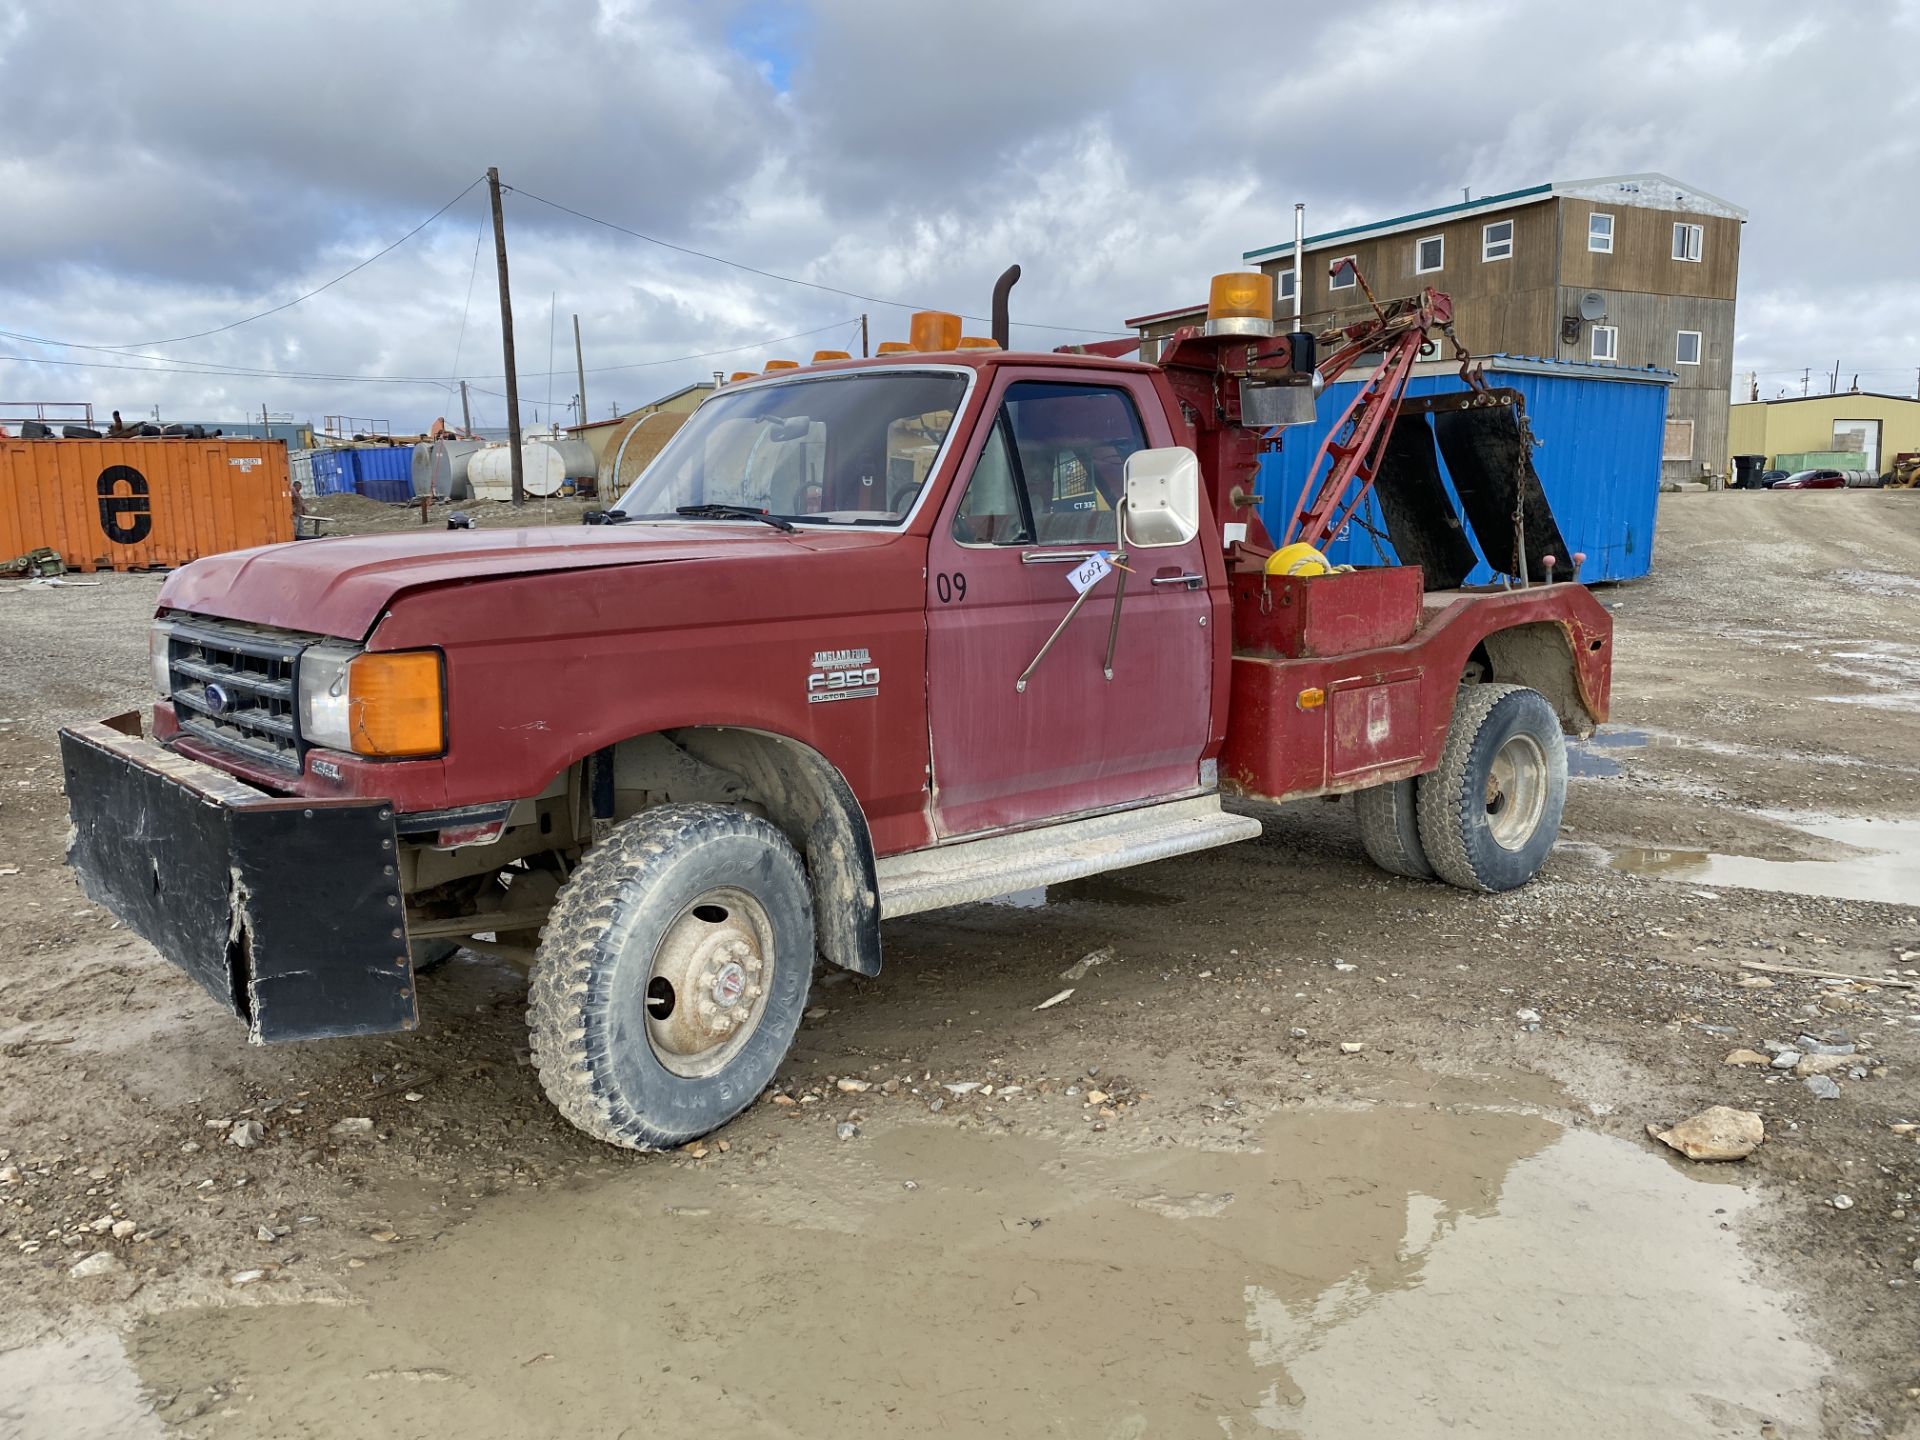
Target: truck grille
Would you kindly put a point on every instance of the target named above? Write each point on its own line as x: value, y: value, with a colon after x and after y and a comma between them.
x: 235, y: 686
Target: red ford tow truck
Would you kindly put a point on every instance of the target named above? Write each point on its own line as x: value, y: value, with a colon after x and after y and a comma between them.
x: 870, y: 637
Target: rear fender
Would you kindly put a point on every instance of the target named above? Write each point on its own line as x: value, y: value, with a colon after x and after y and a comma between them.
x: 1540, y: 656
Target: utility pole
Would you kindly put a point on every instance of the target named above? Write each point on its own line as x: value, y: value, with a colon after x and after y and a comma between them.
x: 580, y: 366
x: 466, y: 410
x: 1806, y: 378
x: 864, y: 352
x: 506, y: 343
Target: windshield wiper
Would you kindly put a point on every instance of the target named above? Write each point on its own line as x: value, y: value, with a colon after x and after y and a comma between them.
x: 735, y: 512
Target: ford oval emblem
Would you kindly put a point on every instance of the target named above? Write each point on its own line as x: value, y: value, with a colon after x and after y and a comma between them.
x: 218, y: 700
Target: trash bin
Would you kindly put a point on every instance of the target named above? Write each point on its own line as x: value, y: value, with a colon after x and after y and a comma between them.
x: 1746, y: 471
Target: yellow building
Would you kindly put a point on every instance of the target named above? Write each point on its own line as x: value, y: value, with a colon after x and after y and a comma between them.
x: 1881, y: 427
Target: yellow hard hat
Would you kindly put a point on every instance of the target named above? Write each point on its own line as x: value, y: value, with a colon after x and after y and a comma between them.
x: 1297, y: 560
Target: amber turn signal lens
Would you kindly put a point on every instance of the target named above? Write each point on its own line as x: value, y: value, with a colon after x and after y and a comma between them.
x: 1241, y: 295
x: 893, y: 347
x: 1312, y: 698
x: 737, y: 376
x: 935, y: 330
x: 773, y: 365
x: 394, y: 703
x: 977, y: 342
x: 820, y: 355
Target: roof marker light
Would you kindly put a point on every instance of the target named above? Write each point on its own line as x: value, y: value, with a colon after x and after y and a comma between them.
x: 935, y: 330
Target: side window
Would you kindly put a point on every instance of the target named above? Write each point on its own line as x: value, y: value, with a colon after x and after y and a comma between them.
x: 990, y: 512
x: 1053, y: 469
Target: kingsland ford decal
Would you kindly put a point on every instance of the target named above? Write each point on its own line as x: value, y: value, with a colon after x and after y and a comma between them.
x: 842, y: 675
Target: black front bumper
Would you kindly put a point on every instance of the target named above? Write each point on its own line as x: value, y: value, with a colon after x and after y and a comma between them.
x: 288, y: 911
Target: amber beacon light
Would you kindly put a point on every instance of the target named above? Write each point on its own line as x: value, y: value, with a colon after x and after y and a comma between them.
x: 1240, y: 303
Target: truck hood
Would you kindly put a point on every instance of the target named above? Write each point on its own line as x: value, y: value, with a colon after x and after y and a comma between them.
x: 341, y: 586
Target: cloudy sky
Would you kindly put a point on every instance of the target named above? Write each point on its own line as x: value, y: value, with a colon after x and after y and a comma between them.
x: 167, y: 170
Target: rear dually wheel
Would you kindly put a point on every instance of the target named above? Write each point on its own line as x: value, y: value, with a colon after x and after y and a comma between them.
x: 1490, y: 813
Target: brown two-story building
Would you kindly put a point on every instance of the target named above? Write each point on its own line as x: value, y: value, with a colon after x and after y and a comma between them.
x: 1630, y: 270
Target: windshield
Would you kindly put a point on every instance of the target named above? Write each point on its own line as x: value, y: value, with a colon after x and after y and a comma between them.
x: 848, y: 449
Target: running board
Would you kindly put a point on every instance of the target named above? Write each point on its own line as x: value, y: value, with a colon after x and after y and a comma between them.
x: 971, y: 870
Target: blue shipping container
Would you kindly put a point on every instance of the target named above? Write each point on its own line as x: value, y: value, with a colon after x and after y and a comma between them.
x: 332, y: 472
x: 384, y: 472
x: 1600, y: 430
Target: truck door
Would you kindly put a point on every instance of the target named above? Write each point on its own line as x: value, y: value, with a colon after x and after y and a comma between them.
x: 1040, y: 499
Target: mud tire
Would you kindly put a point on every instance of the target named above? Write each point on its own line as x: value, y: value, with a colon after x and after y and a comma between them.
x: 587, y: 998
x: 1457, y: 828
x: 1390, y: 829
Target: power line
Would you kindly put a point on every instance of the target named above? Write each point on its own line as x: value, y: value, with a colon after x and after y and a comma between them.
x: 213, y: 369
x: 788, y: 279
x: 216, y: 374
x: 478, y: 236
x: 235, y: 325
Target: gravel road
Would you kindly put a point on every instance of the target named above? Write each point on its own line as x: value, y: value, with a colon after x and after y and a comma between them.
x: 1292, y: 1118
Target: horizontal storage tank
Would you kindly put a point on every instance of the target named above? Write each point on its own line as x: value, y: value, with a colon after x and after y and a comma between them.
x: 548, y: 467
x: 420, y: 474
x: 142, y: 504
x: 635, y: 448
x: 1600, y: 430
x: 450, y: 457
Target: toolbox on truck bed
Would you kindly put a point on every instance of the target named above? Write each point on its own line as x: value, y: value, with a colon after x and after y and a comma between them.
x: 288, y: 911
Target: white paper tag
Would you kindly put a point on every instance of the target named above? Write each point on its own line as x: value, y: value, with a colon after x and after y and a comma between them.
x: 1090, y: 572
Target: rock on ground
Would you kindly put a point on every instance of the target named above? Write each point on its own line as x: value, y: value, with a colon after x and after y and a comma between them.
x: 1717, y: 1133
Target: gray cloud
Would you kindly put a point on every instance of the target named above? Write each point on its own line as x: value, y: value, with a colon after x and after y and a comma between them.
x: 167, y: 171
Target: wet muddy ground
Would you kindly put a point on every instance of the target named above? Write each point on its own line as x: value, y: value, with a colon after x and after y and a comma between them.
x: 1308, y: 1151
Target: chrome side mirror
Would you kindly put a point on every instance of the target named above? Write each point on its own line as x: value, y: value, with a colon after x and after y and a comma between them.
x: 1162, y: 504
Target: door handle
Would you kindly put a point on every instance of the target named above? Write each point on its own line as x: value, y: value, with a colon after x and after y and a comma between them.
x: 1055, y: 557
x: 1192, y: 582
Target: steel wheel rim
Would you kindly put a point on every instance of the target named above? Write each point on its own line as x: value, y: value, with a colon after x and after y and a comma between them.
x: 708, y: 984
x: 1516, y: 792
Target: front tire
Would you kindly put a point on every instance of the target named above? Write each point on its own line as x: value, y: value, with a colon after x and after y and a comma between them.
x: 1490, y: 813
x: 672, y: 975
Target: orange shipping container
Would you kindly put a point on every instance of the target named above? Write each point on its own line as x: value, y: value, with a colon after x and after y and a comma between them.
x: 136, y: 504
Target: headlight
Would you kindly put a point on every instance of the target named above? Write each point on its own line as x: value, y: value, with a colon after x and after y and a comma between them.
x: 383, y: 702
x: 160, y: 658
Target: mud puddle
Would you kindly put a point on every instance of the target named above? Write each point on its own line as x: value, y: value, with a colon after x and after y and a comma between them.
x: 1394, y: 1269
x: 1889, y: 870
x: 79, y: 1388
x: 1589, y: 757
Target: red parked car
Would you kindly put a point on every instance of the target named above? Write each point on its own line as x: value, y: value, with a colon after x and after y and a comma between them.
x: 1811, y: 480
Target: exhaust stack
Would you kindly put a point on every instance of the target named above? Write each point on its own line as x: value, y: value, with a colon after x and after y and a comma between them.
x: 1002, y: 288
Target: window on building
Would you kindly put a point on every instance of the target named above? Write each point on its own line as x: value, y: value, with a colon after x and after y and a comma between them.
x: 1053, y: 467
x: 1686, y: 348
x: 1606, y: 342
x: 1600, y: 233
x: 1285, y: 278
x: 1677, y: 442
x: 1429, y: 254
x: 1496, y: 241
x: 1687, y: 241
x: 1345, y: 274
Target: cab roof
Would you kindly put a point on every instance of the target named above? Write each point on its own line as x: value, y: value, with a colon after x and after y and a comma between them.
x: 982, y: 360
